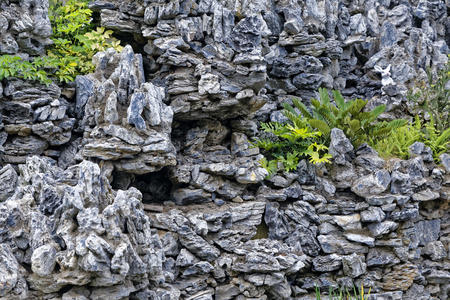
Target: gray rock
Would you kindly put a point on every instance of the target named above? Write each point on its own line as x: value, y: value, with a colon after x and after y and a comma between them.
x: 8, y: 182
x: 289, y: 66
x: 9, y: 275
x: 246, y: 35
x: 373, y: 214
x: 435, y: 250
x: 428, y: 231
x: 425, y: 195
x: 388, y: 34
x: 327, y: 263
x: 360, y: 237
x: 275, y: 221
x: 353, y: 265
x: 43, y: 260
x: 381, y: 257
x: 226, y: 292
x: 385, y: 227
x: 340, y: 147
x: 197, y: 245
x: 445, y: 160
x: 265, y: 279
x: 372, y: 184
x: 419, y: 149
x: 339, y: 245
x: 400, y: 183
x: 199, y: 268
x: 308, y: 81
x: 405, y: 214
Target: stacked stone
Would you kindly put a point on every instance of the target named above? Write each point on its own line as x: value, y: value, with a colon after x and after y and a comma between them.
x: 185, y: 109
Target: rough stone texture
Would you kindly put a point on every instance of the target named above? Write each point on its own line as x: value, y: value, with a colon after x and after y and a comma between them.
x: 172, y: 125
x: 125, y: 116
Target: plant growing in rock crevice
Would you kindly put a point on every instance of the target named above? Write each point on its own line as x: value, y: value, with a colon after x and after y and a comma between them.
x: 397, y: 144
x: 74, y: 44
x: 433, y: 96
x: 288, y: 143
x: 358, y: 125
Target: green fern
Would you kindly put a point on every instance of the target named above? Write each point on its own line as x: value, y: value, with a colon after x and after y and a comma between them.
x: 358, y: 125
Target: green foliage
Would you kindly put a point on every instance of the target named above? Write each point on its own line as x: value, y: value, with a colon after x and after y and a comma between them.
x: 358, y: 125
x: 74, y: 44
x: 433, y: 97
x: 343, y: 294
x: 14, y: 66
x: 288, y: 143
x: 397, y: 144
x: 438, y: 141
x: 75, y: 41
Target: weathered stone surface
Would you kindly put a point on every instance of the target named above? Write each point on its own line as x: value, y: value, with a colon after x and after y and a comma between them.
x: 327, y: 263
x: 372, y: 184
x: 353, y: 265
x: 340, y: 147
x: 435, y: 250
x: 8, y: 182
x: 339, y: 245
x: 381, y: 257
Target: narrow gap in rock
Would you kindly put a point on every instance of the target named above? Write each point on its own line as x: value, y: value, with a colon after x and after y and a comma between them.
x: 262, y: 230
x: 155, y: 187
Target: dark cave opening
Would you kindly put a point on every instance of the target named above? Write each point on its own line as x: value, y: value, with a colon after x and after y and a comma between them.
x: 155, y: 187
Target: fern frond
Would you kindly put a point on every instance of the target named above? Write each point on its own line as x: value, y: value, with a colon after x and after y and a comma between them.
x: 340, y: 102
x: 324, y: 97
x: 302, y: 108
x: 320, y: 125
x: 378, y: 111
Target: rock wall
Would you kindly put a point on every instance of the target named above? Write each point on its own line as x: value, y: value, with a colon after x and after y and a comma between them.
x: 139, y: 182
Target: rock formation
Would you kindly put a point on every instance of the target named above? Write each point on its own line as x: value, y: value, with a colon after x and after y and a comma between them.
x: 139, y: 181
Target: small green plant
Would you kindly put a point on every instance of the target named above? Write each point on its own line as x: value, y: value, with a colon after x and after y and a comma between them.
x: 433, y: 96
x: 397, y: 144
x: 74, y: 44
x: 14, y: 66
x: 343, y: 294
x: 358, y: 125
x: 437, y: 140
x: 288, y: 143
x: 75, y: 41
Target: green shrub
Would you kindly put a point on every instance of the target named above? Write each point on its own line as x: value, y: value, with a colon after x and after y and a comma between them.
x: 288, y: 143
x: 397, y: 144
x: 358, y: 125
x: 74, y: 44
x: 434, y: 97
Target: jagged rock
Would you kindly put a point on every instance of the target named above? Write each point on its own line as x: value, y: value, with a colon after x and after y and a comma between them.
x: 380, y: 257
x: 140, y: 139
x: 196, y: 244
x: 372, y: 184
x: 400, y: 183
x: 419, y: 149
x: 373, y: 214
x: 337, y: 244
x: 435, y: 250
x: 405, y: 214
x: 353, y: 265
x: 340, y: 147
x: 226, y: 292
x: 9, y: 276
x: 425, y: 195
x: 428, y: 231
x: 8, y: 182
x: 379, y: 229
x: 327, y: 263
